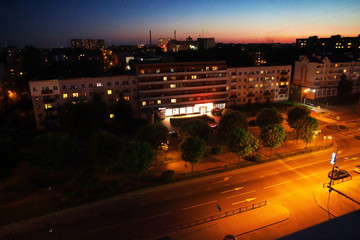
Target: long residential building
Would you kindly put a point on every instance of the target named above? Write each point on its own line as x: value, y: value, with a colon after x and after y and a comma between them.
x: 317, y: 77
x: 166, y: 89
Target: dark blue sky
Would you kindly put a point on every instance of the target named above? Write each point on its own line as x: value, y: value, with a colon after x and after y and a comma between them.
x: 50, y: 23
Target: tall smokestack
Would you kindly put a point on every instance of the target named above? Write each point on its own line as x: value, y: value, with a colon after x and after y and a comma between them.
x: 175, y: 34
x: 150, y: 37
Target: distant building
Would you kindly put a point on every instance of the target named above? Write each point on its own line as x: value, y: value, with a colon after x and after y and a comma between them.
x: 333, y: 43
x: 77, y: 43
x: 189, y: 44
x: 91, y: 44
x: 317, y: 77
x: 206, y: 43
x: 163, y: 43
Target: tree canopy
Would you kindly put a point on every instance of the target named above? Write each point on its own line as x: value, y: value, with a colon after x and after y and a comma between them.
x: 52, y: 151
x: 195, y: 128
x: 242, y: 143
x: 268, y: 116
x: 8, y: 159
x: 344, y: 88
x: 230, y: 120
x: 273, y: 136
x: 308, y: 128
x: 296, y: 113
x: 139, y: 157
x: 105, y: 149
x: 154, y: 134
x: 192, y: 150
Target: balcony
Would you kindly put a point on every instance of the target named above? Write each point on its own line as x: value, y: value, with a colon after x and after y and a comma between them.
x: 283, y: 86
x: 51, y: 109
x: 250, y: 95
x: 283, y: 79
x: 49, y: 100
x: 47, y: 91
x: 267, y: 93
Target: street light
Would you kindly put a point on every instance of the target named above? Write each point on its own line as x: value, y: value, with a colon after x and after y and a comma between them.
x: 332, y: 161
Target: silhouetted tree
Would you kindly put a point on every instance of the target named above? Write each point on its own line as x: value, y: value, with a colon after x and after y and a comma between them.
x: 242, y: 143
x: 192, y: 150
x: 272, y: 136
x: 8, y: 158
x: 195, y: 128
x: 344, y: 88
x: 139, y: 157
x: 230, y: 120
x: 268, y: 116
x: 307, y: 129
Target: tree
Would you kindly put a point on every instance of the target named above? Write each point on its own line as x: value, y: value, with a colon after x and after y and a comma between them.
x: 154, y: 134
x: 105, y: 150
x: 344, y: 88
x: 308, y: 128
x: 272, y: 136
x: 139, y: 157
x: 296, y: 117
x: 195, y: 128
x: 192, y: 150
x: 242, y: 143
x: 52, y: 151
x: 268, y: 116
x: 230, y: 120
x: 8, y: 159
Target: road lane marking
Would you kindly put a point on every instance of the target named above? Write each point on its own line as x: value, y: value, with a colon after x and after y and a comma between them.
x: 224, y: 180
x: 246, y: 200
x: 351, y: 159
x: 275, y: 185
x: 237, y: 195
x: 314, y: 174
x: 158, y: 215
x: 199, y: 205
x: 234, y: 189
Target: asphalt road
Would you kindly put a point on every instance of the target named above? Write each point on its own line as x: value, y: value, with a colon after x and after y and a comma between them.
x: 289, y: 182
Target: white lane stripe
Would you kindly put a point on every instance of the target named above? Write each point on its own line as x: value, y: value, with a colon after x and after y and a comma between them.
x: 158, y: 215
x: 275, y: 185
x: 237, y: 195
x: 314, y: 174
x: 199, y: 205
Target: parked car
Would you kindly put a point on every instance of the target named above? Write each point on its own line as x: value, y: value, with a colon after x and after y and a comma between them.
x: 357, y: 168
x: 338, y: 174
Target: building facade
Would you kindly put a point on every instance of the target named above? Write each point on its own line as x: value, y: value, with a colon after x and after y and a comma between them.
x: 332, y: 43
x: 172, y: 89
x: 317, y: 77
x: 258, y: 84
x: 166, y: 89
x: 49, y: 95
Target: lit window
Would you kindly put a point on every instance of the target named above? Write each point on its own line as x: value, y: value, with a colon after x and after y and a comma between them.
x: 262, y: 72
x: 99, y: 84
x: 143, y: 103
x: 173, y: 100
x: 109, y: 92
x: 142, y: 71
x: 111, y: 115
x: 157, y: 70
x: 172, y: 85
x: 75, y: 94
x: 277, y: 84
x: 126, y: 98
x: 65, y: 95
x: 215, y: 68
x: 158, y: 101
x: 171, y: 70
x: 251, y: 79
x: 256, y: 85
x: 48, y: 105
x: 165, y: 78
x: 287, y: 83
x: 207, y: 68
x: 193, y: 76
x: 344, y: 71
x: 336, y: 65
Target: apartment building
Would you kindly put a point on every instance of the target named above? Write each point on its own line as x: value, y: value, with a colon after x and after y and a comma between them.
x: 258, y: 84
x: 48, y: 95
x: 334, y: 42
x: 172, y: 89
x: 317, y: 77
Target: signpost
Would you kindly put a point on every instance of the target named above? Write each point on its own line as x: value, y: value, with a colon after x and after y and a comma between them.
x: 333, y: 162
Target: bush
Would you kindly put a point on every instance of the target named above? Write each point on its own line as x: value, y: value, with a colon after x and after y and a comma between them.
x: 257, y: 157
x: 215, y: 150
x: 168, y: 175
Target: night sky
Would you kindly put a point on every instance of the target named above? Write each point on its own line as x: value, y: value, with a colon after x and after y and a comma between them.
x: 50, y: 23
